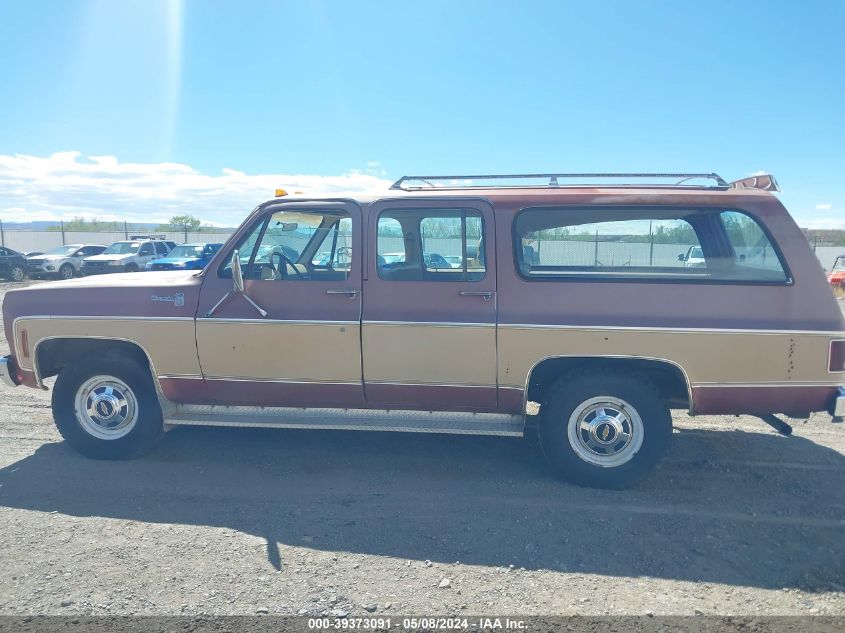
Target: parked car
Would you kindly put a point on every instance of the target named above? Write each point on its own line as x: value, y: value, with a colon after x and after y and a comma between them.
x: 591, y: 351
x: 836, y: 276
x: 12, y: 264
x: 694, y: 257
x: 185, y: 257
x: 63, y: 262
x: 125, y: 256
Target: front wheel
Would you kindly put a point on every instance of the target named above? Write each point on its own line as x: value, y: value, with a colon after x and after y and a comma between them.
x: 107, y: 408
x: 17, y: 273
x: 66, y: 271
x: 604, y: 429
x: 131, y: 268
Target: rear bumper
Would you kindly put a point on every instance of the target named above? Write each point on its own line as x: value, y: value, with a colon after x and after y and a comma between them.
x: 837, y: 406
x: 7, y: 371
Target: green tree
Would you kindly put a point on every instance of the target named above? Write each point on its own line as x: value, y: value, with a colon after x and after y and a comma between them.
x: 185, y: 223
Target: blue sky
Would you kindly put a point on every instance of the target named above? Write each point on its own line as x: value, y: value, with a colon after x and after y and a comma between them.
x: 226, y: 100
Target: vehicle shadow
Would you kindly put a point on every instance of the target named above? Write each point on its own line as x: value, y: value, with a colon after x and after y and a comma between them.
x: 761, y: 510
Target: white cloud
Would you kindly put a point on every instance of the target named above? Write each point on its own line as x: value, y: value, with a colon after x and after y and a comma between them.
x: 66, y: 185
x: 824, y: 207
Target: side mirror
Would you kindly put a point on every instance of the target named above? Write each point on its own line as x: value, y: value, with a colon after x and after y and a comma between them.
x: 237, y: 273
x: 682, y: 258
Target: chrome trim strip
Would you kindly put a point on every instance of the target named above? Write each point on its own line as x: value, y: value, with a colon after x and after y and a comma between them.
x: 678, y: 330
x: 307, y: 381
x: 296, y: 381
x: 269, y: 321
x: 777, y: 385
x: 162, y: 399
x: 661, y: 360
x: 399, y: 383
x: 428, y: 323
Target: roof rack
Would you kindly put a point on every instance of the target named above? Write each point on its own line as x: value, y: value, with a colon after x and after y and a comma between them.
x: 405, y: 183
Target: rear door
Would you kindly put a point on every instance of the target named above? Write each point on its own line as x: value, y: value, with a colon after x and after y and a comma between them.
x: 429, y: 318
x: 307, y: 350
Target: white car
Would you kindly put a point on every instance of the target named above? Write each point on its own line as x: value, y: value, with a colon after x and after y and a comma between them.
x: 63, y: 262
x: 693, y: 258
x: 126, y: 256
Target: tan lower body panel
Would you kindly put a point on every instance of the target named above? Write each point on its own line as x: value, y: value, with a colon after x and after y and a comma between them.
x: 280, y: 350
x: 169, y: 343
x: 435, y: 354
x: 707, y: 357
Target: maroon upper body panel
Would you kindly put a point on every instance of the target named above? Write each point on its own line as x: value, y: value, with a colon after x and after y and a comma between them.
x: 804, y: 303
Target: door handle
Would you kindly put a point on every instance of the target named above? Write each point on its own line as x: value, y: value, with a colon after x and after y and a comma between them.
x: 484, y: 294
x: 349, y: 292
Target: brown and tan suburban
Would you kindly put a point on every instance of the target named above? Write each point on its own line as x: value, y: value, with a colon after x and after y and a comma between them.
x: 457, y: 304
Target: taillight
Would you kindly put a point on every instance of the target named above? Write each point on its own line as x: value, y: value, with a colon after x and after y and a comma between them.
x: 836, y: 358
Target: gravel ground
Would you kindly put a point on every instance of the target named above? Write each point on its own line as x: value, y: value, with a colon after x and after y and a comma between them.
x: 737, y: 520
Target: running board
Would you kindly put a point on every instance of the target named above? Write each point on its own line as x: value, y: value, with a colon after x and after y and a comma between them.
x: 347, y: 419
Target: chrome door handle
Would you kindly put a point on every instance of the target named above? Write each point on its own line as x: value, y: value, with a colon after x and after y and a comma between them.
x: 350, y: 292
x: 484, y: 294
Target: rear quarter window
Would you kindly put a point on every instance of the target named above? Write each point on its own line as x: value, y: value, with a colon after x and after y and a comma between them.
x: 682, y: 245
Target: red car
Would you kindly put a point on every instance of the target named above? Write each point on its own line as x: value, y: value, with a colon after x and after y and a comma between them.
x: 836, y: 276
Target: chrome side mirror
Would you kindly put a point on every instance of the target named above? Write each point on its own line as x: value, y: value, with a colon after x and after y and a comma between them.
x: 237, y: 287
x: 237, y: 273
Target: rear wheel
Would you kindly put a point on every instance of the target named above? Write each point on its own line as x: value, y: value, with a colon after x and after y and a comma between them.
x: 107, y: 408
x: 66, y: 271
x: 604, y: 429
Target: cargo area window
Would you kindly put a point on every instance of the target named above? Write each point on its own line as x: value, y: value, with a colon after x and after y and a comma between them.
x: 431, y: 245
x: 644, y: 244
x: 296, y: 246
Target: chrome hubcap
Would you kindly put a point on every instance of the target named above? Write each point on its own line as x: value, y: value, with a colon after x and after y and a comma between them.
x: 106, y: 407
x: 605, y: 431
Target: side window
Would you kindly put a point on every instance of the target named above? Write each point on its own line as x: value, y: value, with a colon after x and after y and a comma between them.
x: 431, y: 245
x: 296, y: 246
x: 335, y: 250
x: 161, y: 248
x: 642, y: 244
x: 755, y: 257
x: 145, y: 250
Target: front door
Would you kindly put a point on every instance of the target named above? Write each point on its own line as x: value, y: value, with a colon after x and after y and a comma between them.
x: 429, y: 319
x: 302, y: 265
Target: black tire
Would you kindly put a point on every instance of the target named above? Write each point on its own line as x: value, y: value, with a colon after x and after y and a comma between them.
x: 143, y: 435
x: 131, y: 268
x: 17, y: 273
x: 577, y: 388
x: 66, y: 271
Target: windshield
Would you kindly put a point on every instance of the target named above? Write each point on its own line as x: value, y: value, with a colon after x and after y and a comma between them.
x: 63, y: 250
x: 186, y: 250
x: 122, y: 248
x: 839, y: 264
x: 697, y: 253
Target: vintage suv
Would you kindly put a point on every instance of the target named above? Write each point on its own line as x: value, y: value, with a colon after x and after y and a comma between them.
x: 568, y: 310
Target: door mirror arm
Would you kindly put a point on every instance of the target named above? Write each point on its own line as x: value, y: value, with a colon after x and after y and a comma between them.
x: 237, y: 287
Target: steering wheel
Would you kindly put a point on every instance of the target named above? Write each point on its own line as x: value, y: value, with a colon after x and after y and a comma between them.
x: 282, y: 269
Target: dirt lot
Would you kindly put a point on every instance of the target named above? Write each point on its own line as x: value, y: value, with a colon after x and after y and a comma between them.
x: 737, y: 520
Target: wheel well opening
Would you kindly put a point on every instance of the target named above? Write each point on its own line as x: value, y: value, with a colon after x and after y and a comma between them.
x: 666, y: 376
x: 53, y: 354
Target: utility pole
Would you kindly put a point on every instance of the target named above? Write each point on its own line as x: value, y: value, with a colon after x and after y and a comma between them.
x: 2, y: 235
x: 62, y: 224
x: 125, y: 230
x: 651, y: 244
